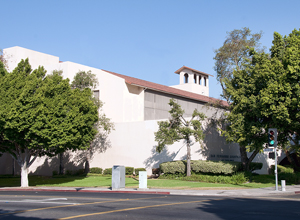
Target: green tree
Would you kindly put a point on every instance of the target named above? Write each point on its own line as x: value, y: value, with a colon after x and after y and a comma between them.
x: 233, y: 52
x: 178, y: 128
x: 40, y: 115
x: 104, y: 125
x: 265, y: 94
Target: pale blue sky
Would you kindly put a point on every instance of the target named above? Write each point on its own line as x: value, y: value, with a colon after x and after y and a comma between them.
x: 146, y: 39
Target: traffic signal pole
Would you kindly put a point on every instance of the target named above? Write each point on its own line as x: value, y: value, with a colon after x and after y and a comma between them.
x: 275, y: 171
x: 272, y: 142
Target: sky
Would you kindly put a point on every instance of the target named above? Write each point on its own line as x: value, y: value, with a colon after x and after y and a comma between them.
x: 146, y: 39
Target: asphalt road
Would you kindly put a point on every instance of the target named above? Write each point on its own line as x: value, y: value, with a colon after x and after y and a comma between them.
x: 72, y: 205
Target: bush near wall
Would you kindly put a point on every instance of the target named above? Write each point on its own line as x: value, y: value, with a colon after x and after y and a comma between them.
x: 129, y: 170
x: 205, y: 166
x: 137, y: 170
x: 282, y: 169
x: 97, y: 170
x: 107, y: 171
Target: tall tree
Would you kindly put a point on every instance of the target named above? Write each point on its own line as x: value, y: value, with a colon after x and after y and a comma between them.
x: 39, y: 115
x: 104, y: 125
x: 178, y: 128
x: 264, y: 94
x: 229, y: 58
x: 233, y: 52
x: 61, y: 153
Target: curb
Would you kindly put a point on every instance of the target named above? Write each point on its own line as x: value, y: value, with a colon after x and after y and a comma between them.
x: 80, y: 190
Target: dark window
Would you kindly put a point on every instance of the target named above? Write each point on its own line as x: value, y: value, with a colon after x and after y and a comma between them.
x: 186, y: 78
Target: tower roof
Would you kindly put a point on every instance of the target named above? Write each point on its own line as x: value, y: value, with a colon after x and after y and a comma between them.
x: 196, y: 71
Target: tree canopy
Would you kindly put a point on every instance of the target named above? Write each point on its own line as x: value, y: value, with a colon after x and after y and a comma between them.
x: 103, y: 126
x: 178, y: 128
x: 265, y: 94
x: 40, y: 115
x: 233, y: 52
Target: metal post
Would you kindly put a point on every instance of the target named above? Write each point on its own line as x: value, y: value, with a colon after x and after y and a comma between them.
x: 275, y: 171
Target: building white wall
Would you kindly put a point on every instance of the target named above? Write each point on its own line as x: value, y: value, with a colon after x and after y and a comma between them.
x: 122, y: 102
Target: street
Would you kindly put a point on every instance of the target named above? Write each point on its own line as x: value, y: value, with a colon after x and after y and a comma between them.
x: 74, y: 205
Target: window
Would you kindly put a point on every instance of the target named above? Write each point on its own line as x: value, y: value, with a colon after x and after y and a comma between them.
x: 186, y: 78
x: 96, y: 94
x: 195, y: 78
x: 200, y: 80
x: 204, y: 81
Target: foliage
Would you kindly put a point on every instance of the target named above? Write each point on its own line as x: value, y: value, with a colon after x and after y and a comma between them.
x: 178, y: 128
x: 97, y: 170
x: 84, y: 80
x: 264, y: 94
x: 205, y: 167
x: 41, y: 115
x: 103, y: 126
x: 282, y: 169
x: 233, y: 52
x: 229, y: 58
x: 137, y: 170
x: 107, y: 171
x: 238, y: 178
x: 129, y: 170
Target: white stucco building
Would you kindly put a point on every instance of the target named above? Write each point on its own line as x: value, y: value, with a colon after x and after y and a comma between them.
x: 135, y: 106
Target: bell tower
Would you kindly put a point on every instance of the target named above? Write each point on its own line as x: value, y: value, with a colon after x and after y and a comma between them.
x: 192, y: 80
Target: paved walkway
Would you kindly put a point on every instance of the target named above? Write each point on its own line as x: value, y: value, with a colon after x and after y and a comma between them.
x: 270, y: 191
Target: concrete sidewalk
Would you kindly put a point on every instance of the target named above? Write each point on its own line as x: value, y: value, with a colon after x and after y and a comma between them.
x: 270, y: 191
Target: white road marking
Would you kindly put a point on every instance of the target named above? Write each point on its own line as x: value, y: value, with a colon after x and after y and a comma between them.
x: 48, y: 201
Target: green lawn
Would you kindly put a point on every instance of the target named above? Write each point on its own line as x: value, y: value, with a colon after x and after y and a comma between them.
x: 105, y: 181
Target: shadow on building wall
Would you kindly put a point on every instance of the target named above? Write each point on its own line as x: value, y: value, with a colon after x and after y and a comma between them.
x: 52, y: 164
x: 157, y: 158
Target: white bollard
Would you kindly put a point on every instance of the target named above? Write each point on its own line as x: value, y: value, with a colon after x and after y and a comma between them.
x: 282, y: 185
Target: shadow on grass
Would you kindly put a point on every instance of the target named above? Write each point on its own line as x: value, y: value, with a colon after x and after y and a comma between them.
x: 15, y: 181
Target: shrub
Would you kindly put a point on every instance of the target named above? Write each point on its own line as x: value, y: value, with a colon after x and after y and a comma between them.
x: 97, y: 170
x: 54, y: 173
x: 255, y: 166
x: 69, y: 172
x: 206, y: 166
x: 215, y: 167
x: 79, y: 172
x: 137, y: 170
x: 173, y: 167
x: 129, y: 170
x: 238, y: 178
x: 282, y: 169
x: 290, y: 178
x: 155, y: 171
x: 107, y: 171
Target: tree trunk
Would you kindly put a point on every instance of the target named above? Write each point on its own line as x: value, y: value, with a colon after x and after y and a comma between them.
x: 244, y: 158
x: 87, y: 162
x: 24, y: 175
x: 188, y: 159
x: 61, y: 164
x: 13, y: 167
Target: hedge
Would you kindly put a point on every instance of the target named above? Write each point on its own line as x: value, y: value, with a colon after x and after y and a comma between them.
x: 137, y: 170
x: 282, y: 169
x: 97, y: 170
x: 129, y: 170
x: 205, y: 166
x: 107, y: 171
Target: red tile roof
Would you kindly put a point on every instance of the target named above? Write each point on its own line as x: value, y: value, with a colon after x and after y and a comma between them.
x: 167, y: 89
x: 196, y: 71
